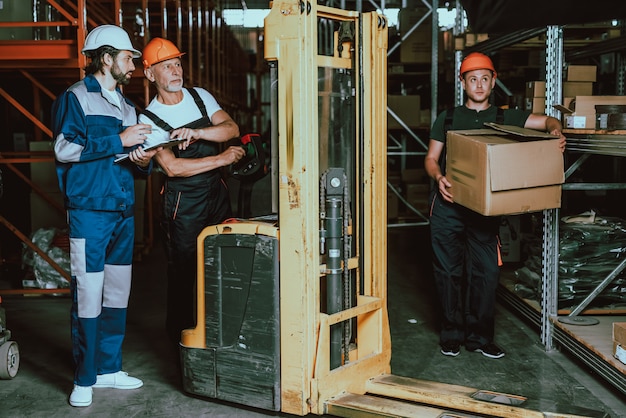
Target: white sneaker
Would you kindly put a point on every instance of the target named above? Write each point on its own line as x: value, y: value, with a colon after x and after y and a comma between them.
x: 118, y: 380
x: 81, y: 396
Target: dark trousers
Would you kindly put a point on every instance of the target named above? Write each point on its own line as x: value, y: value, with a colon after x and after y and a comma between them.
x: 189, y: 207
x: 466, y: 272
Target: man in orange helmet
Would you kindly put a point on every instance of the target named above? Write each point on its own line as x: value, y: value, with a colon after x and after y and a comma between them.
x: 195, y: 195
x: 465, y: 243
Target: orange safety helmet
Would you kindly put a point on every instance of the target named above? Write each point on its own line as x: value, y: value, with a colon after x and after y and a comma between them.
x: 159, y: 49
x: 476, y: 61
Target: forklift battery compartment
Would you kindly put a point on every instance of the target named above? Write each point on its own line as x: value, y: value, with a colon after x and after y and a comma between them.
x: 233, y: 354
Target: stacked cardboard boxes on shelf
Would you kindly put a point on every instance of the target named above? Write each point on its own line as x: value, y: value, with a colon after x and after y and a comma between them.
x: 579, y: 80
x: 580, y: 112
x: 417, y: 46
x: 579, y: 104
x: 535, y: 96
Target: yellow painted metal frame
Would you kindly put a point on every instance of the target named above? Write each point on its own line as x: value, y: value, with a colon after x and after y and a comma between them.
x: 291, y: 40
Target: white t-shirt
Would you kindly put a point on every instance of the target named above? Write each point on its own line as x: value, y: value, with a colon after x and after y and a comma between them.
x: 112, y: 94
x: 183, y: 112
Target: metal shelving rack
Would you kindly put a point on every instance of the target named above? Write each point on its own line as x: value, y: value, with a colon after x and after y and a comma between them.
x: 546, y: 318
x: 398, y: 147
x: 47, y: 66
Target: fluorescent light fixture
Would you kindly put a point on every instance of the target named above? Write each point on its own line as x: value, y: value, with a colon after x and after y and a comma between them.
x: 248, y: 18
x: 253, y: 18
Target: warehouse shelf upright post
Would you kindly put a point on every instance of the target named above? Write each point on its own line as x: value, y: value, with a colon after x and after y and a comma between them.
x: 550, y: 241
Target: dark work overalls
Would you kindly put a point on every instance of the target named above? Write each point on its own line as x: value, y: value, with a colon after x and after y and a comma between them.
x: 465, y: 266
x: 190, y: 205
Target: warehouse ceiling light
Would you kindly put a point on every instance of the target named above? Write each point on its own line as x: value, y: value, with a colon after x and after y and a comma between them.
x: 253, y: 18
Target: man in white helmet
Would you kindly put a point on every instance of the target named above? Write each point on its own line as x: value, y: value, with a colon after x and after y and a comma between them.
x: 93, y: 122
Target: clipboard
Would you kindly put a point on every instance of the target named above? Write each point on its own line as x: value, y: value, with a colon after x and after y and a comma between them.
x: 154, y: 145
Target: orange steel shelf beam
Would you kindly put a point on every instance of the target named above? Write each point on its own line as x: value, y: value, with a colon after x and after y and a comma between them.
x: 25, y: 112
x: 34, y: 24
x: 9, y: 164
x: 39, y: 50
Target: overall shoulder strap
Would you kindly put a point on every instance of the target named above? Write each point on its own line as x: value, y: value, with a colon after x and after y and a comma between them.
x: 447, y: 124
x: 500, y: 116
x: 157, y: 120
x: 199, y: 101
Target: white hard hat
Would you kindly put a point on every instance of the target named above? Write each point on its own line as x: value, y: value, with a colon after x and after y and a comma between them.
x: 110, y: 35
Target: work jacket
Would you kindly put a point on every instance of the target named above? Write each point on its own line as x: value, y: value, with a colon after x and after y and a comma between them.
x: 87, y: 127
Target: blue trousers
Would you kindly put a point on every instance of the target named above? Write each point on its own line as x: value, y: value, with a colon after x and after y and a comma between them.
x: 101, y: 253
x: 466, y: 271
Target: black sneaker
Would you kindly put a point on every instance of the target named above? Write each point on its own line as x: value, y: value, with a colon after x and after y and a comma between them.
x: 451, y: 349
x: 490, y: 350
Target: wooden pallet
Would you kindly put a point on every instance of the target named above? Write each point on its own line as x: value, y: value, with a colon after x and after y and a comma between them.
x: 396, y: 396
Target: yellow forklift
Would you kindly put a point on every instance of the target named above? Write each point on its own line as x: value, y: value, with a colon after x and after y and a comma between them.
x: 292, y: 307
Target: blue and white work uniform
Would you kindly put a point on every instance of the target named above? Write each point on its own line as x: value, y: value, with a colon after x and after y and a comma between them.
x: 99, y: 197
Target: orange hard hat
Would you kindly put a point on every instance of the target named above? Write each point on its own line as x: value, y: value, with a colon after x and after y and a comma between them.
x: 159, y: 49
x: 477, y: 61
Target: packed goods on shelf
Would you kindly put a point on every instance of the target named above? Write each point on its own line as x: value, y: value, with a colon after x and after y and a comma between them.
x: 590, y: 248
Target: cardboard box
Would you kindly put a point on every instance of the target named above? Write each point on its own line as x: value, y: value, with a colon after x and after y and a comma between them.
x: 535, y: 104
x: 535, y: 89
x: 587, y: 104
x: 579, y: 121
x: 619, y: 341
x: 577, y: 88
x: 459, y: 43
x: 505, y: 170
x: 581, y: 73
x: 407, y: 108
x: 470, y: 39
x: 619, y: 333
x: 581, y: 111
x: 619, y: 352
x: 417, y: 47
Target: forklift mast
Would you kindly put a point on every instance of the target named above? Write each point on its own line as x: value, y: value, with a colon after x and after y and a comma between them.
x: 329, y: 126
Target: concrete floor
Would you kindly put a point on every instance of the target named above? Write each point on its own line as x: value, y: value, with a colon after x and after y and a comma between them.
x: 40, y: 325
